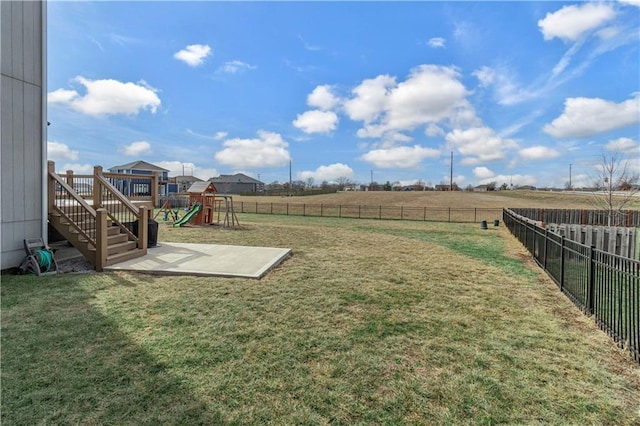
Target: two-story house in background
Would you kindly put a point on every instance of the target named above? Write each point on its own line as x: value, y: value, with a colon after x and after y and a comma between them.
x: 140, y: 187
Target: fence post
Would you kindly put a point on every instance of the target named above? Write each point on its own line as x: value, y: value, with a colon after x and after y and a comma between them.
x: 401, y: 212
x: 271, y: 208
x: 449, y: 217
x: 321, y: 215
x: 256, y: 207
x: 340, y: 210
x: 304, y: 209
x: 562, y: 264
x: 287, y: 209
x: 546, y: 245
x: 380, y: 213
x: 591, y: 284
x: 359, y: 211
x: 475, y: 215
x: 424, y: 216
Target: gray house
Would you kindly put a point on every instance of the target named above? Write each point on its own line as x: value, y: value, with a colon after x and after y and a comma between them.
x: 237, y: 184
x: 23, y: 148
x: 180, y: 184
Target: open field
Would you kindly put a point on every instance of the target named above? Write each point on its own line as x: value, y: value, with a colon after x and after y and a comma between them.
x: 370, y: 322
x: 458, y: 199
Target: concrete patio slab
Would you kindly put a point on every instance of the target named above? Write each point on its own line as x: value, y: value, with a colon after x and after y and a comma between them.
x: 206, y: 260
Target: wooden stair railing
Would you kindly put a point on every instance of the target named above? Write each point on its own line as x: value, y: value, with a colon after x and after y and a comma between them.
x: 103, y: 233
x: 122, y: 212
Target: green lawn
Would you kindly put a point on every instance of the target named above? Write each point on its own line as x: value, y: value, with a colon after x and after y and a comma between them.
x: 370, y: 322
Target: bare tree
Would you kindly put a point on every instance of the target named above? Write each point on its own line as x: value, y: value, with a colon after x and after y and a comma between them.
x: 342, y: 182
x: 616, y: 185
x: 309, y: 182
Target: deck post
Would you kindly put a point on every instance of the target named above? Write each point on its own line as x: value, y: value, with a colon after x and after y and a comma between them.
x: 70, y: 178
x: 51, y: 190
x: 143, y: 228
x: 154, y: 190
x: 97, y: 187
x: 101, y: 239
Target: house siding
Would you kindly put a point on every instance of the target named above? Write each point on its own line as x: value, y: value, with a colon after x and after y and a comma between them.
x: 21, y: 148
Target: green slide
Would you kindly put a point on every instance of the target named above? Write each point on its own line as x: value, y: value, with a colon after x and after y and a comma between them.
x: 188, y: 216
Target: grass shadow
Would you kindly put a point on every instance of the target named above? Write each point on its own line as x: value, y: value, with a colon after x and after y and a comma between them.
x: 64, y: 362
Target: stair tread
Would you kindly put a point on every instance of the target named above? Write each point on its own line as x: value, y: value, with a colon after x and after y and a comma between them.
x: 122, y: 244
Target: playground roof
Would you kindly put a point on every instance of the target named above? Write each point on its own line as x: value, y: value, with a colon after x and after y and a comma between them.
x: 202, y: 187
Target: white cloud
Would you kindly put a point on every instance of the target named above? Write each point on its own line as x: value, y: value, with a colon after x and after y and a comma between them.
x: 479, y: 145
x: 108, y: 97
x: 631, y: 2
x: 516, y: 180
x: 370, y: 98
x: 136, y: 148
x: 220, y: 135
x: 57, y: 151
x: 563, y: 63
x: 433, y: 130
x: 429, y: 95
x: 316, y: 121
x: 61, y: 96
x: 79, y: 169
x: 572, y: 22
x: 584, y: 117
x: 235, y: 67
x: 609, y: 32
x: 624, y: 145
x: 538, y: 153
x: 483, y: 173
x: 436, y: 42
x: 485, y: 75
x: 194, y: 54
x: 177, y: 168
x: 268, y: 150
x: 402, y: 157
x: 328, y: 173
x: 322, y: 98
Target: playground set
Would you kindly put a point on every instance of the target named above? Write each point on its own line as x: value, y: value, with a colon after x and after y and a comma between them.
x: 205, y: 207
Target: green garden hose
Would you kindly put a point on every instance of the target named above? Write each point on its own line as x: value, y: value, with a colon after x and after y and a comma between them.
x: 44, y: 259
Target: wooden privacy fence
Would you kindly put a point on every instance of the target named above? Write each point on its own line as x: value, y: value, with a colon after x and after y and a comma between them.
x: 601, y: 284
x: 614, y: 240
x: 628, y: 218
x: 446, y: 214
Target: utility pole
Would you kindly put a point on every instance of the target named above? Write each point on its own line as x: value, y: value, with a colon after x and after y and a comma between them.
x: 570, y: 187
x: 290, y: 181
x: 451, y: 174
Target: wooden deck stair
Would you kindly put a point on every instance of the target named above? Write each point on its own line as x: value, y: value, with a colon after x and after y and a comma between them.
x: 99, y: 227
x: 119, y: 247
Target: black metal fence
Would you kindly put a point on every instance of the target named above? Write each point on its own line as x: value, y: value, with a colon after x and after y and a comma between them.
x: 446, y: 214
x: 604, y: 285
x: 628, y: 218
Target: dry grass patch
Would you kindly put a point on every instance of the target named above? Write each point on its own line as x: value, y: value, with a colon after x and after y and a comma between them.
x: 438, y: 199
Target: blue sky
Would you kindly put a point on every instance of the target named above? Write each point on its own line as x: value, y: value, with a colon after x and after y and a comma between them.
x: 520, y: 92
